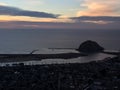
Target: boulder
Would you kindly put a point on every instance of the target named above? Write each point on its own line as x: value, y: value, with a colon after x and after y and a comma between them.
x: 90, y: 47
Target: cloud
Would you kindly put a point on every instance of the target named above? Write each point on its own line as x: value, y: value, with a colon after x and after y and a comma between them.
x: 97, y: 22
x: 34, y: 25
x: 100, y: 8
x: 53, y: 25
x: 13, y: 11
x: 63, y: 19
x: 97, y: 19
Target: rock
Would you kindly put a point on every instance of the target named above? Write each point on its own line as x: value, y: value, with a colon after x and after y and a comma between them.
x: 90, y: 47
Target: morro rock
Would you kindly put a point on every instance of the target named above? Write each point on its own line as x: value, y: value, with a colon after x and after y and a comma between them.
x: 90, y: 47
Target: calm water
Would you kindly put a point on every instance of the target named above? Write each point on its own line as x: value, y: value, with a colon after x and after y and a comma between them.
x: 19, y: 41
x: 89, y: 58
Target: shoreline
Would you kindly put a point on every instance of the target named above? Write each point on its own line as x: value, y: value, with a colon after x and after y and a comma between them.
x: 28, y: 57
x: 52, y: 61
x: 39, y: 57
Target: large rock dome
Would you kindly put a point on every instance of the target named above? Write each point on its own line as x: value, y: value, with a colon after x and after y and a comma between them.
x: 90, y: 47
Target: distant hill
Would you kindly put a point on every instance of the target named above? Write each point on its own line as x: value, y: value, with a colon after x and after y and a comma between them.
x: 90, y: 47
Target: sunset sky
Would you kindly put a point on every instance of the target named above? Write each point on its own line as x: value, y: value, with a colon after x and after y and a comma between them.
x: 60, y: 14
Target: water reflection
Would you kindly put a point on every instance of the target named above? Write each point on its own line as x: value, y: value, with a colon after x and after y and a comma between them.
x: 91, y: 57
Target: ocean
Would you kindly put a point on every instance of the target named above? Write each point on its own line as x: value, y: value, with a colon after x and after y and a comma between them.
x: 19, y: 41
x: 25, y: 41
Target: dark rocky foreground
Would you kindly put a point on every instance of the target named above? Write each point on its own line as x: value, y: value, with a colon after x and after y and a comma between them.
x: 101, y: 75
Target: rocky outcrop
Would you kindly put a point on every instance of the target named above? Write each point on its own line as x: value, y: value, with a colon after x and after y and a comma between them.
x: 90, y: 47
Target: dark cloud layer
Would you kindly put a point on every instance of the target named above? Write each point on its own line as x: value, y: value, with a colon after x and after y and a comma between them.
x: 53, y: 25
x: 97, y: 18
x: 7, y: 10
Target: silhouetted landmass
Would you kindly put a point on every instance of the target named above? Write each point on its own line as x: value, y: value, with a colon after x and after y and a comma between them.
x: 90, y: 47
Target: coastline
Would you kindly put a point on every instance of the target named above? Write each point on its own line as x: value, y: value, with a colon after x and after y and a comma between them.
x: 28, y: 57
x: 39, y: 57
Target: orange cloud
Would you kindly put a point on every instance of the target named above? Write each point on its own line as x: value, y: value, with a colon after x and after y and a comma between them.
x: 100, y: 8
x: 33, y: 19
x: 24, y: 18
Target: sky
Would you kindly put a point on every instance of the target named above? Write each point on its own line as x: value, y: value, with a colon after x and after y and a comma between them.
x: 60, y: 14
